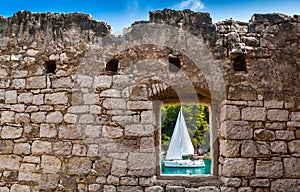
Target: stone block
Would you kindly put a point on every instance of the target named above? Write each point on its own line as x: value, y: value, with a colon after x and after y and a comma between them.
x: 276, y: 126
x: 7, y: 117
x: 291, y: 167
x: 38, y: 82
x: 95, y: 188
x: 245, y: 189
x: 264, y: 135
x: 86, y: 119
x: 79, y: 150
x: 20, y: 188
x: 4, y: 189
x: 50, y: 164
x: 6, y: 146
x: 103, y: 166
x: 10, y: 162
x: 139, y: 130
x: 139, y: 105
x: 294, y: 146
x: 18, y: 83
x: 114, y: 103
x: 18, y: 108
x: 175, y: 188
x: 111, y: 93
x: 22, y: 148
x: 209, y: 188
x: 32, y: 52
x: 62, y: 82
x: 254, y: 114
x: 269, y: 169
x: 93, y: 131
x: 141, y: 164
x: 62, y: 148
x: 109, y: 188
x: 230, y: 148
x: 295, y: 116
x: 236, y: 130
x: 230, y: 112
x: 231, y: 182
x: 25, y: 98
x: 113, y: 180
x: 112, y: 132
x: 38, y: 99
x: 32, y: 159
x: 233, y: 167
x: 54, y: 117
x: 41, y: 147
x: 78, y: 165
x: 293, y: 124
x: 255, y: 149
x: 84, y: 81
x: 278, y: 115
x: 148, y: 117
x: 285, y: 135
x: 90, y: 99
x: 48, y: 130
x: 22, y: 118
x: 102, y: 82
x: 10, y: 132
x: 154, y: 189
x: 286, y: 185
x: 79, y: 109
x: 56, y: 98
x: 273, y: 104
x: 70, y: 131
x: 228, y: 189
x: 129, y: 181
x: 279, y: 147
x: 70, y: 118
x: 130, y: 188
x: 147, y: 144
x: 259, y: 183
x: 123, y: 120
x: 119, y: 168
x: 38, y: 117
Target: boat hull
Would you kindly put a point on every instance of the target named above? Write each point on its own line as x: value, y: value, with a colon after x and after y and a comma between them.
x: 184, y: 163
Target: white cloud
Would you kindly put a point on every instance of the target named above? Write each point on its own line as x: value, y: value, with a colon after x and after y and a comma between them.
x: 195, y: 5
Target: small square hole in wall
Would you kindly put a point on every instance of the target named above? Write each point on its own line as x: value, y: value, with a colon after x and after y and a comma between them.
x: 239, y: 63
x: 50, y: 67
x: 174, y: 64
x: 112, y: 65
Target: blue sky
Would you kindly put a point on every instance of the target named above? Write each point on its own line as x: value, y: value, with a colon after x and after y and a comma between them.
x: 120, y: 13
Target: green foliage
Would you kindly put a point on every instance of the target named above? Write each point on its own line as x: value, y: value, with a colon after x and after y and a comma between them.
x: 196, y: 118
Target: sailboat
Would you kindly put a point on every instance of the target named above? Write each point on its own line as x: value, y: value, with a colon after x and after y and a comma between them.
x: 180, y: 146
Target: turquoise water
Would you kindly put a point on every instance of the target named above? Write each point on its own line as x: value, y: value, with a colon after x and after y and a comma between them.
x: 188, y: 171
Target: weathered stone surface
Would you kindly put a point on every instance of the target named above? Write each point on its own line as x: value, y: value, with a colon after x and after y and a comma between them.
x: 269, y: 169
x: 285, y: 135
x: 38, y: 117
x: 289, y: 185
x: 276, y: 126
x: 79, y: 150
x: 25, y: 98
x: 102, y: 82
x: 209, y: 188
x: 230, y: 112
x: 50, y: 164
x: 36, y: 82
x: 93, y: 131
x: 11, y: 96
x: 20, y: 188
x: 7, y: 117
x: 62, y: 148
x: 9, y: 132
x: 56, y: 98
x: 130, y: 188
x: 255, y: 149
x: 48, y: 130
x: 39, y: 147
x: 84, y: 81
x: 54, y: 117
x: 154, y: 189
x: 22, y: 148
x: 278, y: 115
x: 291, y: 167
x: 175, y: 189
x: 238, y: 167
x: 230, y: 148
x: 119, y: 168
x: 259, y: 183
x: 78, y: 165
x: 139, y: 130
x: 273, y: 104
x: 63, y: 82
x: 139, y: 105
x: 103, y: 166
x: 113, y: 103
x: 236, y: 130
x: 141, y: 164
x: 6, y: 146
x: 294, y: 146
x: 231, y: 182
x: 10, y: 162
x: 264, y: 135
x: 254, y: 114
x: 279, y: 147
x: 70, y: 131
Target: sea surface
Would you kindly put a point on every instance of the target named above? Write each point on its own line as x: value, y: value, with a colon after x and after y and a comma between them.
x: 188, y: 171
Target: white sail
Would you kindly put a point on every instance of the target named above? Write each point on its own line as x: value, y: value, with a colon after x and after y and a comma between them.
x: 180, y: 144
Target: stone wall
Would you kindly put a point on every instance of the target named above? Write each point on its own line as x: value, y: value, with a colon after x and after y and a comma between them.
x: 71, y: 123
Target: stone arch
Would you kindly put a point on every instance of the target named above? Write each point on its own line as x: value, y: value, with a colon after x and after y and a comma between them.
x: 194, y: 48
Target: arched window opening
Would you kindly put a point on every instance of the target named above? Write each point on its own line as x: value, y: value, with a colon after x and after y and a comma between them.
x: 112, y: 65
x: 174, y: 64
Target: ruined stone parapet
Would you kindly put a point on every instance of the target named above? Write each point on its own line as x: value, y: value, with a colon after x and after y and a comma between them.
x: 79, y: 109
